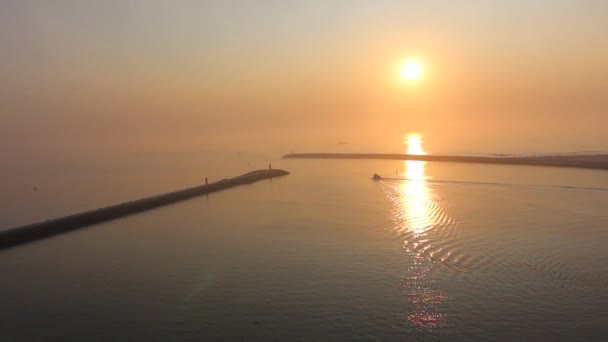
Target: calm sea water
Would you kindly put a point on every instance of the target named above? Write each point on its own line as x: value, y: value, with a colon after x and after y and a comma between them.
x: 437, y: 251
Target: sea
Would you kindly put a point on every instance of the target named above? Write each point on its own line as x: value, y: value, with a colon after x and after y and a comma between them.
x: 432, y: 251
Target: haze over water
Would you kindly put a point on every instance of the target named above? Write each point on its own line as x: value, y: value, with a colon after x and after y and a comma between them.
x: 327, y: 253
x: 103, y: 102
x: 99, y: 80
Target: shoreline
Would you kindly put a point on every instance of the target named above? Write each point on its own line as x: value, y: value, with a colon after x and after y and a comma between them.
x: 36, y: 231
x: 597, y: 162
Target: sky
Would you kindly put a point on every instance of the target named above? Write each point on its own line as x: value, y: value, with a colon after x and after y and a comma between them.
x: 91, y: 78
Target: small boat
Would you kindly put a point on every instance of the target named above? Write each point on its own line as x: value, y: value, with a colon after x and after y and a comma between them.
x: 376, y: 177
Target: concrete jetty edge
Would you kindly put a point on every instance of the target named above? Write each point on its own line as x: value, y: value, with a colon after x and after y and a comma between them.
x: 19, y: 235
x: 599, y: 161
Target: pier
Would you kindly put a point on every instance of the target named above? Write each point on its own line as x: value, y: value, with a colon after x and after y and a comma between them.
x: 592, y: 161
x: 36, y: 231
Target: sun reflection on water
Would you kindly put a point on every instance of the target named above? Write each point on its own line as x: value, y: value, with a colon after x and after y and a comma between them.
x: 416, y: 213
x: 416, y: 197
x: 414, y: 190
x: 419, y: 218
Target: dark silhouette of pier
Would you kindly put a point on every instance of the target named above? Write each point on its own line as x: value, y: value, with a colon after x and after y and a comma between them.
x: 36, y: 231
x: 597, y: 161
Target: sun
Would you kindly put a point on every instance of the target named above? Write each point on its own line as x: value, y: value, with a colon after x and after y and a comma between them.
x: 411, y: 70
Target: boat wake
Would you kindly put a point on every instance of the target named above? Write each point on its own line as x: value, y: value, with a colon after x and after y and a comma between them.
x: 448, y: 225
x: 514, y: 185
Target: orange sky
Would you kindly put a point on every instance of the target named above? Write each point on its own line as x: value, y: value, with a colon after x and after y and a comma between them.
x: 159, y: 76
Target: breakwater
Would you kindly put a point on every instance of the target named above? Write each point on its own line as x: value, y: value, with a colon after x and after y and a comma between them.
x: 19, y: 235
x: 599, y: 161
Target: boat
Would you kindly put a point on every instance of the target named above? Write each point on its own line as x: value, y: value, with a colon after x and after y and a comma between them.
x: 376, y: 177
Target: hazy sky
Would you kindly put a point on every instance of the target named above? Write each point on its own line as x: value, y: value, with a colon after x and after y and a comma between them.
x: 99, y: 77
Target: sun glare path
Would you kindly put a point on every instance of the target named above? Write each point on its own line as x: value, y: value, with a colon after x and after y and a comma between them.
x: 416, y: 215
x: 414, y: 144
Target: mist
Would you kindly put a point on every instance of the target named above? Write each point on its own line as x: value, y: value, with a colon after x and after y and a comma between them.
x: 145, y: 77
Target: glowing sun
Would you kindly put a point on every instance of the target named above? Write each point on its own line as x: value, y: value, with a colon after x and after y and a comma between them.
x: 410, y: 70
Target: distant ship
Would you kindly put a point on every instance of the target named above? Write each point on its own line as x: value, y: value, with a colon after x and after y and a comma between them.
x: 376, y: 177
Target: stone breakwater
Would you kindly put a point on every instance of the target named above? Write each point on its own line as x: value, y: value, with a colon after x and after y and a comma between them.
x: 599, y: 161
x: 31, y: 232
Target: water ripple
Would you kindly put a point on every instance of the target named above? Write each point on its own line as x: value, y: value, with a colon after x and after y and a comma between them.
x: 429, y: 231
